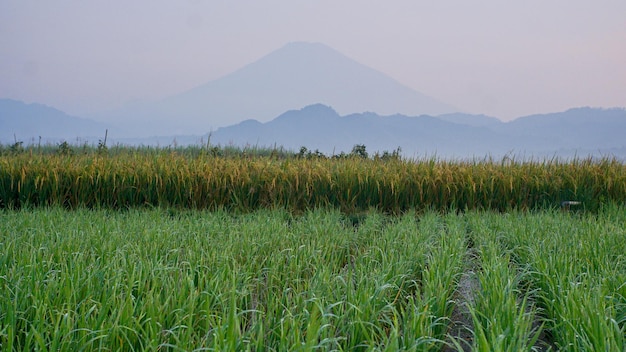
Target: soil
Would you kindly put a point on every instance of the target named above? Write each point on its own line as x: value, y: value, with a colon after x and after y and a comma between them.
x: 462, y: 326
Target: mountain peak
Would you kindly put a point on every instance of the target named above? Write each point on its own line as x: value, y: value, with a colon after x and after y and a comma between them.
x: 307, y: 48
x: 319, y: 108
x: 313, y: 112
x: 300, y: 45
x: 297, y: 74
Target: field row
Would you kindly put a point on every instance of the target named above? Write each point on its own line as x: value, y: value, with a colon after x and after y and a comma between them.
x: 351, y: 184
x: 269, y: 280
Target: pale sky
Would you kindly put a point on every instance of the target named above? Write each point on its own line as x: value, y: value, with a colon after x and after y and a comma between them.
x: 501, y: 58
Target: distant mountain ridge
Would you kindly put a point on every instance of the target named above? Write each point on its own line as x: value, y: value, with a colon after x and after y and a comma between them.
x: 291, y: 77
x: 575, y: 132
x: 588, y: 127
x: 27, y: 122
x: 580, y: 131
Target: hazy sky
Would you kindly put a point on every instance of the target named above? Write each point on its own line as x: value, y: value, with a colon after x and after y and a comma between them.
x: 502, y: 58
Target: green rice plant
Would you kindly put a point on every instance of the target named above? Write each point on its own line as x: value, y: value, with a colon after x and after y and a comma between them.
x: 502, y: 315
x: 445, y: 263
x: 176, y: 279
x: 576, y: 266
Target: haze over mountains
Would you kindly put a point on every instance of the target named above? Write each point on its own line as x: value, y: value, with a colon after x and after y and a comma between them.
x: 27, y: 122
x: 294, y: 76
x: 576, y: 132
x: 307, y: 94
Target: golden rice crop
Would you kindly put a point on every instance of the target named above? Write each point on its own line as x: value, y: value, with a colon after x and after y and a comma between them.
x: 168, y: 178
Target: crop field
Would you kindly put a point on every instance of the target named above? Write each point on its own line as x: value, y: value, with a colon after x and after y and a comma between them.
x: 268, y: 280
x: 202, y: 179
x: 175, y: 251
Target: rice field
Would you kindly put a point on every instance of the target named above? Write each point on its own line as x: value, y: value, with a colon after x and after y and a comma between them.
x: 197, y: 250
x: 158, y: 279
x: 205, y: 180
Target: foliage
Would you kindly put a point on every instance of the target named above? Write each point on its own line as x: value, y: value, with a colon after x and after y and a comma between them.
x: 16, y: 147
x: 171, y: 279
x: 360, y: 151
x: 156, y: 279
x: 205, y: 179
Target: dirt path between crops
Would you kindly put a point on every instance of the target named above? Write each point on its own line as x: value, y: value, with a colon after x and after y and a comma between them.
x: 462, y: 326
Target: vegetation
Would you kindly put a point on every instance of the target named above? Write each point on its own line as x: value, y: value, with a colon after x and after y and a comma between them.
x: 190, y: 280
x: 146, y: 280
x: 578, y: 268
x: 115, y: 248
x: 209, y: 178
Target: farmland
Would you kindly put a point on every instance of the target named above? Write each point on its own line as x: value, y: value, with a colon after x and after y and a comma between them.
x: 203, y: 179
x: 178, y: 250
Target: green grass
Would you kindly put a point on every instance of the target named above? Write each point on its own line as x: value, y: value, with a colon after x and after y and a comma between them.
x: 148, y: 280
x: 171, y: 279
x: 573, y: 268
x: 578, y: 264
x: 502, y: 312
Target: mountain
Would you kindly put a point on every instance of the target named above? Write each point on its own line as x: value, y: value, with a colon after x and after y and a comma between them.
x: 576, y: 132
x: 471, y: 120
x: 320, y: 127
x: 579, y: 128
x: 26, y: 122
x: 293, y: 76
